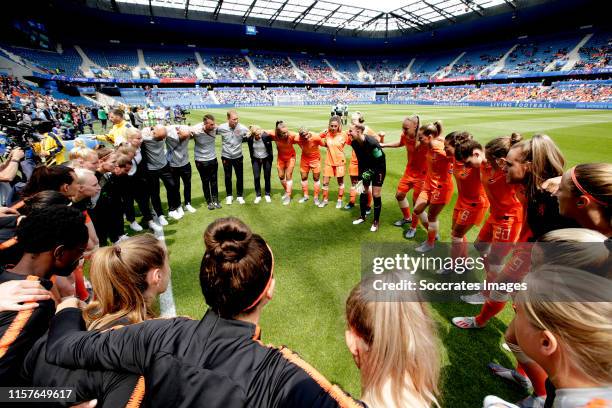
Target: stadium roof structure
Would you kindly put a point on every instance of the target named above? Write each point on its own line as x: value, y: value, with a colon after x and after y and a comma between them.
x: 343, y: 17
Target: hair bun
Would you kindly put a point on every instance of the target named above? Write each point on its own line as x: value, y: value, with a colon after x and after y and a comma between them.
x: 515, y: 138
x: 227, y: 239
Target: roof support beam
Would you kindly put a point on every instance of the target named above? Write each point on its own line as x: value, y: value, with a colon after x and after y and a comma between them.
x: 187, y: 9
x: 476, y: 8
x: 448, y: 16
x: 416, y: 19
x: 113, y: 4
x: 277, y: 13
x: 304, y: 13
x: 151, y: 11
x: 217, y: 9
x: 348, y: 21
x: 404, y: 20
x: 248, y: 12
x: 368, y: 23
x: 386, y: 25
x: 401, y: 25
x: 324, y: 20
x: 511, y: 4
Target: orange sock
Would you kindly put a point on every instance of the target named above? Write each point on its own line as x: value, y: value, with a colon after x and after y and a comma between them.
x: 431, y: 236
x: 415, y: 221
x: 488, y: 311
x: 537, y: 375
x: 325, y: 193
x: 340, y: 191
x: 458, y: 248
x: 432, y: 231
x: 405, y: 207
x: 369, y: 198
x: 353, y: 194
x: 317, y: 188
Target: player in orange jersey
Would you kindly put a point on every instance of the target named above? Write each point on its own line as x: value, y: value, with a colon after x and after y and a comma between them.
x: 438, y: 188
x: 335, y: 140
x: 285, y: 161
x: 358, y: 118
x: 416, y: 168
x: 310, y: 160
x: 503, y: 226
x: 472, y: 202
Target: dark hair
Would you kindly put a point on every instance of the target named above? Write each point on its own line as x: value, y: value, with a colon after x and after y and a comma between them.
x: 208, y: 116
x: 433, y: 129
x: 465, y: 149
x: 46, y: 229
x: 48, y: 178
x: 458, y: 137
x: 336, y: 119
x: 118, y: 112
x: 499, y: 147
x: 236, y: 267
x: 41, y: 200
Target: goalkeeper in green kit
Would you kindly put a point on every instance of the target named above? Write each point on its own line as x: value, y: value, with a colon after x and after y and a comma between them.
x: 372, y: 171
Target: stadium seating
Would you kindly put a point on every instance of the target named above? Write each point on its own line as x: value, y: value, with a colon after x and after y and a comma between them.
x: 596, y: 53
x: 67, y: 63
x: 275, y: 66
x: 226, y: 65
x: 385, y: 70
x: 187, y: 97
x: 119, y: 62
x: 531, y: 55
x: 314, y: 68
x: 134, y: 96
x: 171, y: 64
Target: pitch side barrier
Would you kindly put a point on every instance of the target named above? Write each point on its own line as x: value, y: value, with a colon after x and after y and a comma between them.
x: 531, y: 105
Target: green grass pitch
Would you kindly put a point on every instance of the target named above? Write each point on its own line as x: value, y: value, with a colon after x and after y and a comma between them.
x: 318, y: 250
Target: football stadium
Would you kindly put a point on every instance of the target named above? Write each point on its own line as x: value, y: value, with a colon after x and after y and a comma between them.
x: 147, y: 260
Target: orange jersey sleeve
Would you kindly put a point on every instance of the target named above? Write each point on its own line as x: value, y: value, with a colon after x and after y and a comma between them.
x: 439, y: 167
x: 417, y: 157
x: 310, y: 147
x: 502, y: 196
x: 284, y: 145
x: 470, y: 192
x: 335, y: 149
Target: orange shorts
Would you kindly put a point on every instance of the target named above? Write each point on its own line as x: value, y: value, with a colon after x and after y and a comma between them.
x: 408, y: 183
x: 500, y: 229
x: 437, y: 195
x: 333, y: 171
x: 354, y: 168
x: 466, y: 215
x: 310, y: 165
x: 282, y: 163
